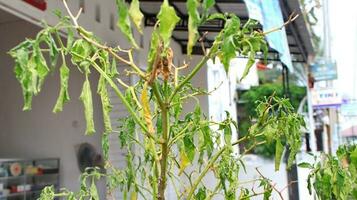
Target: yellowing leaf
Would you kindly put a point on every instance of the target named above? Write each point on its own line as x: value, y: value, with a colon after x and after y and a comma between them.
x: 134, y: 195
x: 168, y: 20
x: 136, y: 15
x: 193, y: 22
x: 124, y: 22
x: 146, y: 109
x: 184, y: 162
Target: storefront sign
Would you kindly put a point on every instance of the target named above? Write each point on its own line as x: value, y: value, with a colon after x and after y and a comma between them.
x: 349, y: 108
x: 325, y: 98
x: 324, y: 70
x: 40, y: 4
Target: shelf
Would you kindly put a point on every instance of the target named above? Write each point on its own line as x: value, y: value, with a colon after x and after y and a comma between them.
x: 6, y: 178
x: 15, y: 194
x: 50, y: 176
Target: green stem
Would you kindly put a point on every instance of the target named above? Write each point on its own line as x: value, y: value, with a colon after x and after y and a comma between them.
x: 155, y: 89
x: 191, y: 75
x: 164, y: 152
x: 209, y: 165
x: 121, y: 97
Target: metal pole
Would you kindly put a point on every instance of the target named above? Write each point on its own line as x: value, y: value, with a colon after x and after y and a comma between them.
x: 292, y: 173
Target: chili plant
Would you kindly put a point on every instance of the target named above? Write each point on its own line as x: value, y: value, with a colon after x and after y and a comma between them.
x: 177, y: 148
x: 334, y: 177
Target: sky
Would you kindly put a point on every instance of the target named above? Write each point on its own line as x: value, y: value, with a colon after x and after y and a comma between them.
x: 343, y: 23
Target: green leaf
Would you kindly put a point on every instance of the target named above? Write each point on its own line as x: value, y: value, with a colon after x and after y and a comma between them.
x: 353, y: 157
x: 93, y: 191
x: 63, y: 96
x: 70, y: 39
x: 206, y: 141
x: 168, y: 20
x: 41, y: 68
x: 189, y: 147
x: 251, y: 61
x: 53, y: 50
x: 86, y: 97
x: 193, y: 23
x: 154, y: 44
x: 305, y: 165
x: 81, y: 50
x: 228, y: 134
x: 124, y: 22
x: 279, y: 148
x: 105, y: 145
x: 201, y: 194
x: 136, y: 15
x: 228, y: 50
x: 216, y: 16
x: 114, y: 69
x: 207, y: 4
x: 106, y: 105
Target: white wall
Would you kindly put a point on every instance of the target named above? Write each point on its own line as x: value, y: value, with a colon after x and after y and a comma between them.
x: 40, y: 133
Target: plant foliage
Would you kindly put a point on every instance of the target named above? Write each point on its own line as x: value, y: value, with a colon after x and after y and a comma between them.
x: 173, y: 145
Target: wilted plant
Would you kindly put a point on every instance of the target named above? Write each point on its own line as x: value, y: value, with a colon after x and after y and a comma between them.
x: 177, y: 148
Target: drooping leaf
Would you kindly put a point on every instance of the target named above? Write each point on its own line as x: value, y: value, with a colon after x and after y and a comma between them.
x: 70, y: 39
x: 136, y: 15
x: 63, y: 96
x: 168, y: 20
x: 41, y: 68
x: 86, y: 97
x: 305, y: 165
x: 201, y: 194
x: 250, y: 62
x: 207, y: 4
x: 80, y: 50
x: 53, y: 50
x: 189, y: 147
x: 193, y: 23
x: 93, y: 191
x: 184, y: 161
x: 105, y: 145
x: 106, y: 105
x: 114, y: 69
x: 228, y: 50
x: 124, y: 22
x: 154, y: 45
x: 279, y: 148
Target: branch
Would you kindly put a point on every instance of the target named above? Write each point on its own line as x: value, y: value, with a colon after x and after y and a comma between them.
x: 272, y: 185
x: 110, y: 50
x: 292, y: 18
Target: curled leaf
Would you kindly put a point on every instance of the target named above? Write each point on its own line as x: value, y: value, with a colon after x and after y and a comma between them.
x: 63, y: 96
x: 193, y: 22
x: 124, y: 22
x: 168, y: 20
x: 136, y: 15
x: 86, y: 97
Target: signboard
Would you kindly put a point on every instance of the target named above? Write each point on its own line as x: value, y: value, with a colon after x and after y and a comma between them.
x: 325, y: 98
x: 349, y: 108
x: 268, y: 13
x: 324, y: 70
x: 40, y: 4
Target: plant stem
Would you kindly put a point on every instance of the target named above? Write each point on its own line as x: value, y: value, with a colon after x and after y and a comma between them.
x: 165, y: 152
x: 191, y: 75
x: 211, y: 163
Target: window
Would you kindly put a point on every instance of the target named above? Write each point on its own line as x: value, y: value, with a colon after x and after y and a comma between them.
x: 97, y: 13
